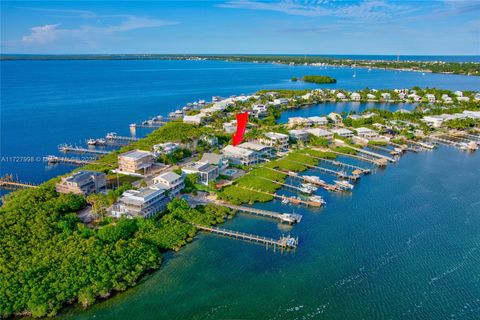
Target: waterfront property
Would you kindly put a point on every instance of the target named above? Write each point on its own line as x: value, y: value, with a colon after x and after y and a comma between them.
x: 206, y: 172
x: 165, y: 148
x: 342, y: 132
x: 144, y: 202
x: 171, y: 182
x: 276, y: 140
x: 237, y: 155
x: 299, y: 135
x: 321, y: 133
x: 262, y: 150
x: 366, y: 133
x: 83, y: 183
x: 135, y: 160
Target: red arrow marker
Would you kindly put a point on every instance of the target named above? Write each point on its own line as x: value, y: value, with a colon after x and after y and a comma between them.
x: 242, y: 119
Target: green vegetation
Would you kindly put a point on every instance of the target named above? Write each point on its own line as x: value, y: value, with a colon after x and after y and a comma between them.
x: 50, y: 258
x: 377, y: 143
x: 346, y: 150
x: 462, y: 123
x: 319, y: 79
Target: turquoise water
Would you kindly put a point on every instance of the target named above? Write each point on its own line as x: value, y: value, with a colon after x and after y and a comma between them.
x: 404, y: 245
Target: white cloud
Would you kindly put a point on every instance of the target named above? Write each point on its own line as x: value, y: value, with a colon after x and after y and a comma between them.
x: 368, y: 10
x: 46, y: 34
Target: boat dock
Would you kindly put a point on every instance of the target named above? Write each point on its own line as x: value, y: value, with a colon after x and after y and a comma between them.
x: 74, y: 149
x: 390, y: 151
x: 8, y: 182
x: 354, y: 156
x: 339, y: 174
x: 324, y: 185
x: 373, y: 154
x: 283, y: 217
x: 286, y: 242
x: 65, y: 160
x: 113, y: 137
x: 289, y: 199
x: 356, y: 170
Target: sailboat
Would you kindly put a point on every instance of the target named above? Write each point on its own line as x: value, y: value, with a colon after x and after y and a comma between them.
x: 354, y: 74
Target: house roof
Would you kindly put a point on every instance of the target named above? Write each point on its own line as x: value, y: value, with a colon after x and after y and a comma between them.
x: 168, y: 176
x: 136, y: 154
x: 212, y: 158
x: 233, y: 150
x: 253, y: 146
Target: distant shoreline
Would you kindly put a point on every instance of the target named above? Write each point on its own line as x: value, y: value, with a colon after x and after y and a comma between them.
x: 434, y: 66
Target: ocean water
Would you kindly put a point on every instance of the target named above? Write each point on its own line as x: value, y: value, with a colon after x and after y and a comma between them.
x: 403, y: 245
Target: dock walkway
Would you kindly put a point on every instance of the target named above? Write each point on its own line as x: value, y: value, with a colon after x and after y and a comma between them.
x: 74, y: 149
x: 286, y: 242
x: 65, y: 160
x: 354, y: 156
x: 8, y: 182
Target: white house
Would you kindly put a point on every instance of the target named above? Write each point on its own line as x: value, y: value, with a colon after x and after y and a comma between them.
x: 299, y: 135
x: 195, y: 119
x: 320, y: 121
x: 335, y: 117
x: 340, y: 95
x: 262, y: 150
x: 366, y: 132
x: 345, y: 133
x: 237, y: 155
x: 276, y: 140
x: 386, y: 96
x: 171, y: 182
x: 430, y: 97
x: 458, y: 93
x: 355, y: 96
x: 207, y: 172
x: 317, y: 132
x: 371, y: 96
x: 294, y: 121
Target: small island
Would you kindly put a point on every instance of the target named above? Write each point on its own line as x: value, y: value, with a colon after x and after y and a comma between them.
x: 316, y: 79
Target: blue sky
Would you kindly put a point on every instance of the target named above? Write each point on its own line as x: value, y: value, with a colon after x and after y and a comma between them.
x: 447, y: 27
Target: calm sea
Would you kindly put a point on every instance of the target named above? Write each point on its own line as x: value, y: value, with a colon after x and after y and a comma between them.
x: 404, y: 245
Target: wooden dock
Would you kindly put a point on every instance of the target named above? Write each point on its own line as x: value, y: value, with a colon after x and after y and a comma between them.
x: 289, y: 199
x: 283, y: 217
x: 65, y: 160
x: 354, y: 156
x: 343, y: 165
x: 79, y: 150
x: 339, y: 174
x: 373, y: 154
x: 113, y: 137
x: 285, y: 242
x: 10, y: 183
x: 324, y: 185
x: 390, y: 151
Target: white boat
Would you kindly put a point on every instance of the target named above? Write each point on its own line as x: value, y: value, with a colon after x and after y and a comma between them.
x: 317, y: 199
x: 285, y: 201
x: 426, y: 145
x: 314, y: 179
x: 92, y: 142
x: 309, y: 186
x: 345, y: 185
x: 305, y: 190
x: 111, y: 135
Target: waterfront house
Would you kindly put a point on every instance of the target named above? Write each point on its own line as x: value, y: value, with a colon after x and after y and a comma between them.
x: 355, y: 96
x: 458, y: 93
x: 430, y: 97
x: 402, y: 95
x: 207, y: 172
x: 342, y: 132
x: 197, y: 119
x: 82, y: 183
x: 446, y: 98
x: 317, y: 132
x: 371, y: 96
x: 259, y: 110
x: 340, y: 95
x: 165, y: 148
x: 171, y: 182
x: 299, y: 135
x: 464, y: 99
x: 366, y: 132
x: 280, y: 101
x: 386, y: 96
x: 237, y: 155
x: 318, y: 121
x: 135, y: 160
x: 414, y: 97
x: 144, y: 202
x: 299, y: 121
x: 262, y: 150
x: 275, y: 140
x: 335, y: 117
